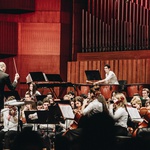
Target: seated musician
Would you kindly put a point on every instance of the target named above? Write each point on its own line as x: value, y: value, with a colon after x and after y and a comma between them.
x: 110, y: 77
x: 30, y: 105
x: 92, y: 106
x: 32, y: 90
x: 39, y: 105
x: 135, y: 103
x: 145, y: 93
x: 10, y: 123
x: 47, y: 131
x: 120, y: 115
x: 78, y: 104
x: 92, y: 110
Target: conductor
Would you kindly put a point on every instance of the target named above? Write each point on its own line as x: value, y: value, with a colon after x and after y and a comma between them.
x: 5, y: 80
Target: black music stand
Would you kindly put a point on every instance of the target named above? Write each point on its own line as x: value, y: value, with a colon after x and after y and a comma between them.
x: 93, y: 75
x: 12, y: 93
x: 51, y: 116
x: 40, y: 97
x: 54, y: 77
x: 35, y: 77
x: 59, y: 101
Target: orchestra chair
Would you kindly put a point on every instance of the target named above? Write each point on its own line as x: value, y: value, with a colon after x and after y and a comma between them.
x: 122, y: 87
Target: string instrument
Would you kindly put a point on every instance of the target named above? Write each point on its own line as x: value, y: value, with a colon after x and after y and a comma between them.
x: 74, y: 125
x: 145, y: 113
x: 13, y: 111
x: 77, y: 117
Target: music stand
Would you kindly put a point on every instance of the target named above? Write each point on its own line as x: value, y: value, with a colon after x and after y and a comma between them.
x: 58, y: 101
x: 40, y: 97
x: 54, y: 77
x: 51, y: 116
x: 12, y: 93
x: 93, y: 75
x: 35, y: 77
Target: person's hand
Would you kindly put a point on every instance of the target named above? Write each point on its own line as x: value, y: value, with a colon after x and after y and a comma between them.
x: 17, y: 77
x: 87, y: 81
x: 95, y: 83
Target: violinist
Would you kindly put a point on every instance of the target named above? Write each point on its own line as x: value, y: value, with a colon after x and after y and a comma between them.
x: 10, y: 123
x: 118, y: 111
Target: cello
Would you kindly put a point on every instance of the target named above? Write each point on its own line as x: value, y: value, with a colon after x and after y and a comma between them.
x: 145, y: 113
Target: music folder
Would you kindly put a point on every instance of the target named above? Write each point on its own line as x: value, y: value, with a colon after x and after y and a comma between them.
x: 66, y: 111
x: 93, y: 75
x: 134, y: 114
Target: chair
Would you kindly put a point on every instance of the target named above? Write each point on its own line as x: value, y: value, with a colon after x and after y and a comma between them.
x: 122, y: 86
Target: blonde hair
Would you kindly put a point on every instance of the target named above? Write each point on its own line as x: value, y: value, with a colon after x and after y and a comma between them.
x: 136, y: 100
x: 122, y: 101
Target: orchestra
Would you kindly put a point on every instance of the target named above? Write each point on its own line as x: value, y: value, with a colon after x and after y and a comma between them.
x: 85, y: 101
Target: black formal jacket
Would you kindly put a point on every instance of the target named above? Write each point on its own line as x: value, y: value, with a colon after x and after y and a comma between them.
x: 5, y: 80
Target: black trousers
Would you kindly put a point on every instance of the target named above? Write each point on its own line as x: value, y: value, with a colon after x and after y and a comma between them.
x: 120, y: 131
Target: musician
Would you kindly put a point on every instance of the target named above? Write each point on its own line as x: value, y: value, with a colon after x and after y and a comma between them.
x: 39, y: 105
x: 5, y: 80
x: 110, y: 77
x: 136, y: 102
x: 32, y: 90
x: 92, y: 106
x: 120, y: 115
x: 47, y: 131
x: 10, y: 123
x: 78, y: 104
x: 145, y: 93
x: 71, y: 95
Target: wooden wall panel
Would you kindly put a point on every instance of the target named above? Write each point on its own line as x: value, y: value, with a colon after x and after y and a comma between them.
x: 52, y: 5
x: 132, y: 70
x: 39, y: 38
x: 8, y: 38
x: 140, y: 54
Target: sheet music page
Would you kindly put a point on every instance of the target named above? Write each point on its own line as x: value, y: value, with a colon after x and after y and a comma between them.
x: 134, y: 114
x: 67, y: 111
x: 28, y: 78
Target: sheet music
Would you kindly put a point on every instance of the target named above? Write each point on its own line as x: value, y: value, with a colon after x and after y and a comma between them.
x: 134, y: 114
x: 67, y: 111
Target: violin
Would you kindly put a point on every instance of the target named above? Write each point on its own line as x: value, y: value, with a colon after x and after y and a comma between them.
x: 13, y: 111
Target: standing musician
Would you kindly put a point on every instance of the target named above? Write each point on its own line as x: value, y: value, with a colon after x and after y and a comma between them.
x: 5, y: 80
x: 10, y: 123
